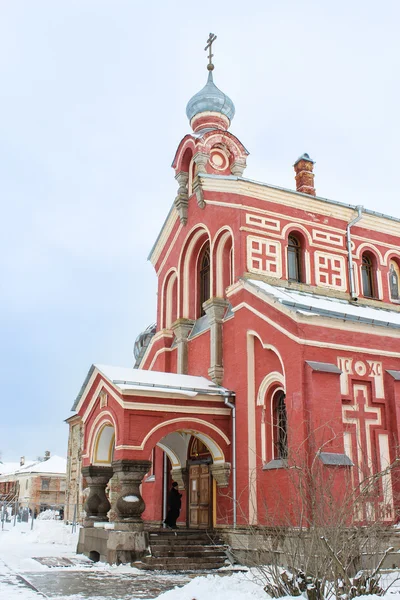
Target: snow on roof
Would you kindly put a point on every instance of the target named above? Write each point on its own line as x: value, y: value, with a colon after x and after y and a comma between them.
x: 137, y: 379
x: 55, y: 464
x: 8, y: 467
x: 314, y: 305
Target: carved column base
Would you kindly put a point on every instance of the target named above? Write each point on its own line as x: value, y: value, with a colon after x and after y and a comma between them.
x: 216, y: 374
x: 130, y: 505
x: 238, y: 167
x: 97, y: 504
x: 221, y: 473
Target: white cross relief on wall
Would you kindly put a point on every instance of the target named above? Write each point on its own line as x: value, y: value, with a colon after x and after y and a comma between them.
x: 264, y: 256
x: 364, y: 416
x: 330, y: 270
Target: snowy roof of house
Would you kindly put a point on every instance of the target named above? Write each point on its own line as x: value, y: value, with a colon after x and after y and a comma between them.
x: 55, y: 464
x: 323, y: 306
x: 9, y: 467
x: 129, y: 379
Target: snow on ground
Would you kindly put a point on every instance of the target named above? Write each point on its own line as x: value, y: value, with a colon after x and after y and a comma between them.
x: 24, y: 578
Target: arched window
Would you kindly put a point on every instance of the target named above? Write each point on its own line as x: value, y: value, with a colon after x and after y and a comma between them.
x: 294, y: 259
x: 204, y: 277
x: 394, y: 279
x: 280, y: 425
x: 367, y: 276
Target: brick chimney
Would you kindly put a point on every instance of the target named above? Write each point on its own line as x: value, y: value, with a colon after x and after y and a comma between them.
x: 46, y: 454
x: 22, y: 461
x: 304, y: 174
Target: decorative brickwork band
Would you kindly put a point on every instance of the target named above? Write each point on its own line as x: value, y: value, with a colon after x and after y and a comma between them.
x: 304, y: 175
x: 97, y: 504
x: 130, y: 504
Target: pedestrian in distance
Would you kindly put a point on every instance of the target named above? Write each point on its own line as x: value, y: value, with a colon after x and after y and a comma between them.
x: 174, y: 506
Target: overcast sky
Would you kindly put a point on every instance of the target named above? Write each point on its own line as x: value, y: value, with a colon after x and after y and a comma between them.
x: 92, y: 108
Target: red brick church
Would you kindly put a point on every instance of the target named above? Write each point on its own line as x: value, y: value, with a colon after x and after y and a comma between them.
x: 277, y: 345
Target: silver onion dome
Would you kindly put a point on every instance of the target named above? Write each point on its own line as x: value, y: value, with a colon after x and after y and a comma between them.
x: 141, y: 343
x: 210, y: 98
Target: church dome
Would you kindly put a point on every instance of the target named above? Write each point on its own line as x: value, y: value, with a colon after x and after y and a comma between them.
x: 211, y: 99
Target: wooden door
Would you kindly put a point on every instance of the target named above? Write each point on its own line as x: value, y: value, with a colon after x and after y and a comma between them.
x: 199, y: 496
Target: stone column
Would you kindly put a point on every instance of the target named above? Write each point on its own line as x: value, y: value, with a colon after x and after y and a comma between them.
x: 130, y: 505
x: 181, y: 329
x: 97, y: 504
x: 179, y: 475
x: 182, y: 199
x: 201, y: 159
x: 215, y: 309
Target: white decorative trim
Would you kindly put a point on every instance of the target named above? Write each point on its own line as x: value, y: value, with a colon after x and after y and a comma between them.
x: 266, y: 254
x: 270, y: 379
x: 294, y: 227
x: 251, y: 431
x: 103, y: 418
x: 165, y: 282
x: 177, y: 420
x: 386, y: 507
x: 164, y: 235
x: 328, y: 238
x: 157, y: 354
x: 315, y: 343
x: 221, y: 240
x: 372, y: 248
x: 328, y: 273
x: 263, y: 222
x: 187, y: 249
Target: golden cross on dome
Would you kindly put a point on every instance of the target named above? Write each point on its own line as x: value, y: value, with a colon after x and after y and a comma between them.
x: 211, y: 38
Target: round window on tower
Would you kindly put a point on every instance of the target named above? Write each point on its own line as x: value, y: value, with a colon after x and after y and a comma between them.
x: 219, y: 159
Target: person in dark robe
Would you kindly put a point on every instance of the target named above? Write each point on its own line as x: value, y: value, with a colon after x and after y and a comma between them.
x: 174, y: 506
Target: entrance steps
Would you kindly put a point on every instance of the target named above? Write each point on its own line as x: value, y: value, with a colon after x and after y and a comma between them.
x: 183, y: 550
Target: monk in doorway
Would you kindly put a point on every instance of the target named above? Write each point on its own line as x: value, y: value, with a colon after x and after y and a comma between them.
x: 174, y: 506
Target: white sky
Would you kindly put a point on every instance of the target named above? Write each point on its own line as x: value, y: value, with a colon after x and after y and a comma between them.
x: 92, y: 108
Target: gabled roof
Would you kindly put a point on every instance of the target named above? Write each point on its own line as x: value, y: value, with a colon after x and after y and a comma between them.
x: 55, y: 464
x: 129, y: 379
x: 323, y: 306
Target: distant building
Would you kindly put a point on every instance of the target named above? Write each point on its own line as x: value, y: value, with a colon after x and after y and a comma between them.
x: 37, y: 485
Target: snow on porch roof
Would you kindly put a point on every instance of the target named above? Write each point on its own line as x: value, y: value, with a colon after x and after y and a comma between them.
x: 322, y: 306
x: 126, y: 378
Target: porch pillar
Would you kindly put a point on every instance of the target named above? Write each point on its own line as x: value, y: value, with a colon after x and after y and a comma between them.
x: 181, y: 329
x: 130, y: 505
x: 97, y: 504
x: 215, y: 309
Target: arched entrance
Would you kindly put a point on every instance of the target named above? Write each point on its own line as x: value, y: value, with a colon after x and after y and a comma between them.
x: 197, y: 463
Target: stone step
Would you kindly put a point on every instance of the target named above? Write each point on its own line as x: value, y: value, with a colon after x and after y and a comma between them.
x: 188, y: 567
x: 182, y: 535
x: 180, y: 542
x: 208, y: 554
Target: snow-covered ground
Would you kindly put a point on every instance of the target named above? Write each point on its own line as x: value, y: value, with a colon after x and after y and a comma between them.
x: 41, y: 563
x: 24, y: 577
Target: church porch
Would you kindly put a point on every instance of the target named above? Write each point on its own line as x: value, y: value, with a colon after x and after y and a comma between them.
x: 142, y: 431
